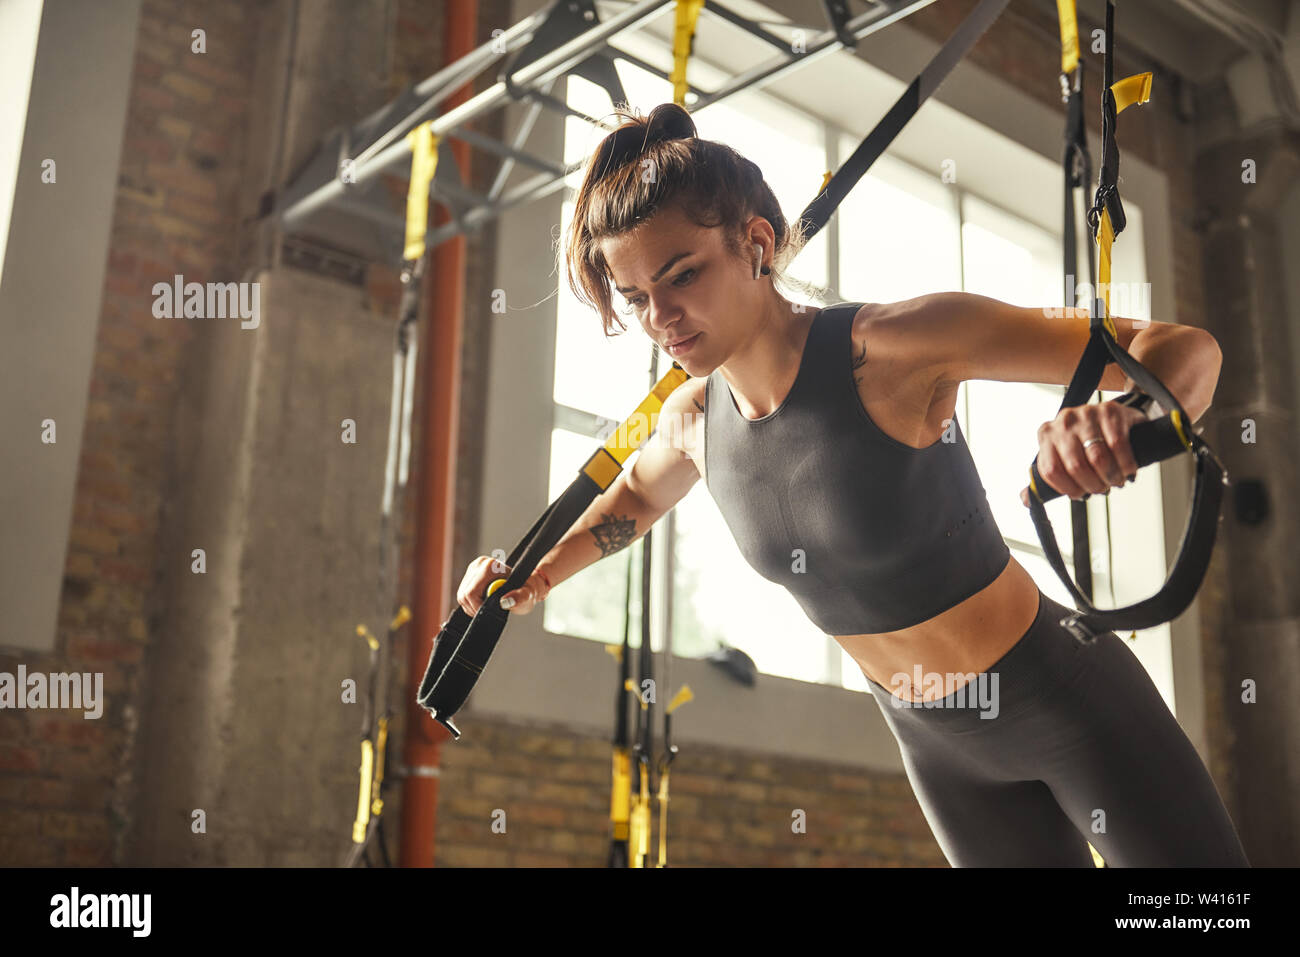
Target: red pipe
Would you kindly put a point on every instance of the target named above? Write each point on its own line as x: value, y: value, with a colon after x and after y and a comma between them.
x: 435, y: 482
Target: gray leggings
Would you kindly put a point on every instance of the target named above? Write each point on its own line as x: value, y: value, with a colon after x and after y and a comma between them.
x: 1082, y: 750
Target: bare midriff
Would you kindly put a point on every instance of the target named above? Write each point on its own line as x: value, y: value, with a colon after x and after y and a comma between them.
x: 962, y: 641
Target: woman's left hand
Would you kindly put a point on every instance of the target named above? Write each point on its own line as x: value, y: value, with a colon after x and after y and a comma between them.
x: 1068, y: 467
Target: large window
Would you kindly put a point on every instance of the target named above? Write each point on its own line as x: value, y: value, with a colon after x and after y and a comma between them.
x: 902, y: 232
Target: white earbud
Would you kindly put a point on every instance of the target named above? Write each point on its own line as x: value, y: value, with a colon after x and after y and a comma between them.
x: 758, y: 258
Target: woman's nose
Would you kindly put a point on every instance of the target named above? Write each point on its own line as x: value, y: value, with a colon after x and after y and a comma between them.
x: 660, y: 315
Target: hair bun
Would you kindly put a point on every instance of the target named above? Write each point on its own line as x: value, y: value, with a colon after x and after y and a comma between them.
x: 668, y: 121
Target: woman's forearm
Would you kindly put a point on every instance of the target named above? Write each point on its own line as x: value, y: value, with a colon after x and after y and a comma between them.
x: 1185, y: 359
x: 614, y: 520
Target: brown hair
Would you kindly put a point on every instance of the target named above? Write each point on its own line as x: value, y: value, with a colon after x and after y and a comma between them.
x: 714, y: 185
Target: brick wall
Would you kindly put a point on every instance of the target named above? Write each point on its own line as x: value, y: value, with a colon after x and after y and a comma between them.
x: 726, y: 809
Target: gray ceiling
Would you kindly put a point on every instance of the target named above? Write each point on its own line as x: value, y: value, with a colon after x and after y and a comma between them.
x: 1197, y: 39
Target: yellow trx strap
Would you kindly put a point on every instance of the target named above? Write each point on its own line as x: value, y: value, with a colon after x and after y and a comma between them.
x: 621, y: 796
x: 369, y: 802
x: 363, y: 799
x: 684, y: 695
x: 688, y: 11
x: 603, y: 469
x: 1069, y: 35
x: 1134, y: 89
x: 367, y: 764
x: 424, y: 162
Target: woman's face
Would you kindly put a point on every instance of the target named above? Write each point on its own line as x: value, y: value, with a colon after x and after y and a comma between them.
x: 680, y: 283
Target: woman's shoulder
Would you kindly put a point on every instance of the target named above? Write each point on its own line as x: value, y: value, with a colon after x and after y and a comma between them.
x: 896, y: 333
x: 692, y: 390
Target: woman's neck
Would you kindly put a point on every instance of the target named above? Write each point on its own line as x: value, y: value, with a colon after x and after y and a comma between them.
x: 762, y: 369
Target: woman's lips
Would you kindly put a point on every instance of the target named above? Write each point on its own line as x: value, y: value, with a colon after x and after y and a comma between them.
x: 683, y: 346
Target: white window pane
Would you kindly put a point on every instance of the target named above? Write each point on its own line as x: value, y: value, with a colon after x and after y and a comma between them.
x: 1008, y: 258
x: 608, y: 376
x: 898, y: 234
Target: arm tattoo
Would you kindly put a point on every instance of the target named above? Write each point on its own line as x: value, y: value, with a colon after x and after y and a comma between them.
x: 613, y: 533
x: 697, y: 404
x: 858, y: 362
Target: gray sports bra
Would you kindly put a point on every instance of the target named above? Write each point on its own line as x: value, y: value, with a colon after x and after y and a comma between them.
x: 868, y: 534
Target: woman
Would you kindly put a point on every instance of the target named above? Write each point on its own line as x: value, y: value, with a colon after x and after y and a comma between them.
x: 835, y: 457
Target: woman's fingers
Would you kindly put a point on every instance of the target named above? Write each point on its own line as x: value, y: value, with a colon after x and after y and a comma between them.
x: 524, y: 599
x: 520, y: 601
x: 482, y: 572
x: 1059, y: 459
x: 1073, y: 463
x: 480, y: 575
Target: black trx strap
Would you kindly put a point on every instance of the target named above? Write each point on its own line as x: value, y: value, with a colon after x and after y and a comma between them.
x: 1151, y: 441
x: 1078, y: 175
x: 833, y: 191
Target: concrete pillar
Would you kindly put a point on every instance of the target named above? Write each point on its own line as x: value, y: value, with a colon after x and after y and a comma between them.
x: 1253, y: 426
x: 243, y: 717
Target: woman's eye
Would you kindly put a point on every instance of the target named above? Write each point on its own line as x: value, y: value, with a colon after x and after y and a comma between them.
x: 682, y: 279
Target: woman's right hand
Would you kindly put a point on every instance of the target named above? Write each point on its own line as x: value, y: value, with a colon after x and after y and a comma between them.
x: 483, y: 571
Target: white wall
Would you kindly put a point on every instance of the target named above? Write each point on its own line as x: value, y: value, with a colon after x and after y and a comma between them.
x: 50, y: 289
x: 20, y: 22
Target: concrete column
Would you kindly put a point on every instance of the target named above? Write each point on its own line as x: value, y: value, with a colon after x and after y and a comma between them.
x: 1253, y: 426
x: 244, y: 717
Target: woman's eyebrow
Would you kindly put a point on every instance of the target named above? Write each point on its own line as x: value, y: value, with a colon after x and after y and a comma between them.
x: 662, y: 269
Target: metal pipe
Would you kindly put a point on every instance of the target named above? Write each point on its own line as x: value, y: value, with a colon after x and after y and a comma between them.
x: 543, y: 184
x: 435, y: 88
x: 433, y: 590
x: 824, y: 43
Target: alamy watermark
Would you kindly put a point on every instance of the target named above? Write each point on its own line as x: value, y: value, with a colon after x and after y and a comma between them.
x: 59, y: 689
x: 213, y: 300
x: 75, y: 909
x: 1126, y: 298
x: 965, y: 689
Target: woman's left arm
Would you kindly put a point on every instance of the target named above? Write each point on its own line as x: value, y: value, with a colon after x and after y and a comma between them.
x: 968, y: 336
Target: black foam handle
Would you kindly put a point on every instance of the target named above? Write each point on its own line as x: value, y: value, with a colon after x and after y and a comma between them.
x: 1151, y: 441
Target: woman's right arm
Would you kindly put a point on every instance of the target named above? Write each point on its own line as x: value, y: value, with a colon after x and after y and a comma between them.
x: 659, y: 478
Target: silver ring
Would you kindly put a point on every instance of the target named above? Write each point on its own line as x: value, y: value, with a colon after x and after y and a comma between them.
x: 1090, y: 442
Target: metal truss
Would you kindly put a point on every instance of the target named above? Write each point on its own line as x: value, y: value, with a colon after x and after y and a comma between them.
x: 337, y: 197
